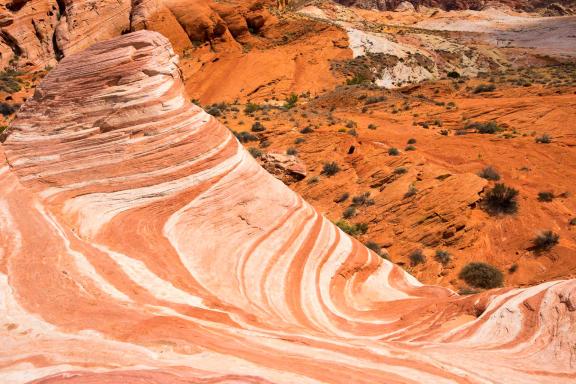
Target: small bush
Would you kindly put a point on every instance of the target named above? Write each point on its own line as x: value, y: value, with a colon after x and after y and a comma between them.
x: 489, y: 173
x: 257, y: 127
x: 484, y: 88
x: 299, y: 140
x: 546, y: 241
x: 349, y: 212
x: 292, y: 151
x: 9, y: 81
x: 545, y: 196
x: 513, y: 268
x: 251, y: 108
x: 412, y: 190
x: 444, y: 132
x: 376, y: 248
x: 374, y: 100
x: 342, y: 198
x: 501, y: 199
x: 351, y: 124
x: 372, y: 126
x: 453, y: 75
x: 357, y: 79
x: 393, y: 151
x: 572, y: 221
x: 330, y: 169
x: 313, y: 180
x: 490, y: 127
x: 352, y: 132
x: 352, y: 229
x: 410, y: 148
x: 544, y: 139
x: 306, y: 130
x: 481, y: 275
x: 255, y: 152
x: 291, y: 101
x: 400, y: 170
x: 411, y: 141
x: 416, y: 257
x: 363, y: 199
x: 8, y: 109
x: 443, y: 257
x: 245, y: 137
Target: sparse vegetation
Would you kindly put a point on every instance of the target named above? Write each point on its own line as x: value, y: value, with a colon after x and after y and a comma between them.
x: 481, y: 275
x: 417, y: 257
x: 342, y: 198
x: 358, y: 78
x: 251, y: 108
x: 307, y: 129
x: 255, y: 152
x: 393, y: 151
x: 481, y: 88
x: 349, y: 212
x: 372, y: 126
x: 9, y: 81
x: 443, y: 257
x: 313, y: 180
x: 501, y: 199
x: 352, y: 229
x: 292, y: 151
x: 546, y: 241
x: 513, y: 268
x: 544, y: 139
x: 412, y: 190
x: 490, y: 127
x: 8, y: 109
x: 330, y: 169
x: 299, y: 140
x: 376, y: 248
x: 489, y: 173
x: 400, y: 170
x: 453, y: 75
x: 291, y: 101
x: 363, y: 199
x: 257, y: 127
x: 572, y: 221
x: 245, y: 137
x: 410, y: 148
x: 411, y: 141
x: 545, y: 196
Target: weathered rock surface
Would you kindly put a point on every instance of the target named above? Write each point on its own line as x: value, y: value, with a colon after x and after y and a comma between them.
x: 141, y: 243
x: 450, y: 5
x: 287, y: 168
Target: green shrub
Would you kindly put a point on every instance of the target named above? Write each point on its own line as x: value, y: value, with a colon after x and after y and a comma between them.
x: 545, y: 196
x: 258, y: 127
x: 489, y: 173
x: 352, y: 132
x: 501, y: 199
x: 245, y: 137
x: 8, y: 109
x: 376, y: 248
x: 313, y: 180
x: 393, y: 151
x: 291, y: 101
x: 307, y: 129
x: 400, y: 170
x: 292, y: 151
x: 251, y: 108
x: 349, y: 212
x: 352, y: 229
x: 410, y: 148
x: 372, y: 126
x: 481, y: 275
x: 411, y: 141
x: 255, y: 152
x: 9, y: 81
x: 546, y: 241
x: 572, y: 221
x: 363, y: 199
x: 299, y: 140
x: 412, y: 190
x: 416, y: 257
x: 453, y: 75
x: 357, y: 79
x: 330, y: 169
x: 443, y: 257
x: 489, y: 127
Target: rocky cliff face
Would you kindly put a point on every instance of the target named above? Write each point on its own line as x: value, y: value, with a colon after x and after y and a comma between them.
x: 449, y: 5
x: 140, y: 242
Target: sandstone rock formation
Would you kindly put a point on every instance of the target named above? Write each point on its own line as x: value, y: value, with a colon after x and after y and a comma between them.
x: 449, y: 5
x: 141, y: 243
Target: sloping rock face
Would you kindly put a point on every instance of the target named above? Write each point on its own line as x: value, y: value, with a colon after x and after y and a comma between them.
x: 450, y: 5
x: 139, y: 242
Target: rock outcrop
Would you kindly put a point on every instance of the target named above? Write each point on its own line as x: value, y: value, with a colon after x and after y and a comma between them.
x: 451, y: 5
x: 141, y: 243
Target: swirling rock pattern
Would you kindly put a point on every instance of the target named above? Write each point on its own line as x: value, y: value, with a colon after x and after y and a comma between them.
x: 141, y: 243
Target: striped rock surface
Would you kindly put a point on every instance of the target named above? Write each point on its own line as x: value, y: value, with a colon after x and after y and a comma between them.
x: 140, y: 243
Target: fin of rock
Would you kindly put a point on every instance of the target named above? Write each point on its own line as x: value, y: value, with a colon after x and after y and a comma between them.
x: 139, y: 242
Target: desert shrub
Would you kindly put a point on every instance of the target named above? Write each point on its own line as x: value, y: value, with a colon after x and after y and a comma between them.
x: 453, y: 75
x: 264, y: 144
x: 292, y: 151
x: 9, y: 81
x: 544, y: 139
x: 363, y: 199
x: 545, y: 196
x: 411, y: 141
x: 216, y: 109
x: 501, y: 199
x: 313, y: 180
x: 410, y: 148
x: 257, y: 127
x: 352, y: 229
x: 299, y: 140
x: 481, y: 88
x: 255, y: 152
x: 352, y: 132
x: 245, y: 137
x: 350, y: 124
x: 251, y: 108
x: 468, y: 291
x: 372, y: 126
x: 481, y: 275
x: 8, y: 109
x: 444, y: 132
x: 349, y: 212
x: 546, y: 240
x: 291, y: 101
x: 376, y: 248
x: 489, y: 127
x: 416, y: 257
x: 307, y: 129
x: 412, y: 190
x: 342, y: 198
x: 400, y: 170
x: 374, y: 100
x: 358, y: 78
x: 330, y: 169
x: 572, y: 221
x: 443, y: 257
x: 393, y: 151
x: 489, y: 173
x: 513, y: 268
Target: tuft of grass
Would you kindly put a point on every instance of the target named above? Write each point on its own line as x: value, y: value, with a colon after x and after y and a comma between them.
x: 363, y: 199
x: 292, y: 151
x: 291, y: 101
x: 481, y: 88
x: 330, y: 169
x: 410, y: 148
x: 489, y: 173
x: 352, y: 229
x: 416, y: 257
x: 307, y: 129
x: 443, y: 257
x: 544, y: 139
x: 501, y: 199
x: 545, y: 196
x: 349, y: 212
x: 251, y: 108
x: 393, y: 151
x: 255, y: 152
x: 342, y: 198
x: 545, y: 241
x: 412, y: 190
x: 257, y: 127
